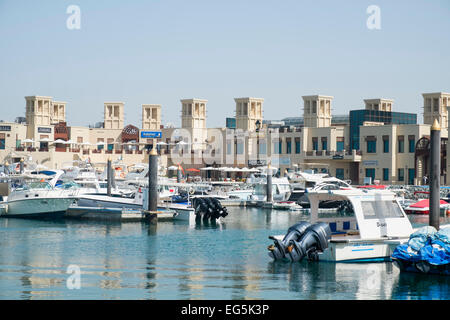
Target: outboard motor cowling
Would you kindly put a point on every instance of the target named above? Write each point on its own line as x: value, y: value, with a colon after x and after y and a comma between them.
x: 302, y: 240
x: 208, y: 209
x: 296, y: 231
x: 314, y: 240
x: 278, y: 249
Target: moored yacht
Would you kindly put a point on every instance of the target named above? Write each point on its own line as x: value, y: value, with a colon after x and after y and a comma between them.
x: 367, y: 226
x: 281, y: 190
x: 39, y: 198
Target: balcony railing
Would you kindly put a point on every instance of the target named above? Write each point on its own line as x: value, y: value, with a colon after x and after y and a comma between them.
x: 327, y: 153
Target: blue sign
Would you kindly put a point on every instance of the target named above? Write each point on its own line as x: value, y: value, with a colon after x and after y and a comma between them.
x: 151, y: 134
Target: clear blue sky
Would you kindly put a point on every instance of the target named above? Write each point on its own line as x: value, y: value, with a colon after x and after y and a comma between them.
x: 162, y: 51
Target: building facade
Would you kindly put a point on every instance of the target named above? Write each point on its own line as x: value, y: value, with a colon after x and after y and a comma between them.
x: 369, y: 145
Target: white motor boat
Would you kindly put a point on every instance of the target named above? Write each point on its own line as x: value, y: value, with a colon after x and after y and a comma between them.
x: 286, y: 205
x: 40, y: 198
x: 241, y: 194
x: 306, y: 180
x: 281, y: 190
x: 135, y: 201
x: 367, y: 226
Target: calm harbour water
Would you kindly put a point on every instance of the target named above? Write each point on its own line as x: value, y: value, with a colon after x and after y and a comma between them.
x: 181, y: 261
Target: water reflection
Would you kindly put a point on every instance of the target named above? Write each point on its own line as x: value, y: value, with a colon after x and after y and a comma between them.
x: 181, y: 260
x: 327, y: 280
x: 422, y: 286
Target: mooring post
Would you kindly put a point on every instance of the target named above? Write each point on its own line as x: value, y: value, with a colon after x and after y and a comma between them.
x: 108, y: 177
x: 435, y: 170
x: 179, y: 175
x: 153, y: 181
x: 269, y: 184
x: 113, y: 177
x: 21, y: 166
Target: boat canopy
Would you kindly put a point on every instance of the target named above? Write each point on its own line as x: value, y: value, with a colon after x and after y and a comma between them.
x: 377, y: 212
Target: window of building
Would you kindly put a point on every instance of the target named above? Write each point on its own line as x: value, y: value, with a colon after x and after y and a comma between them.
x: 411, y: 143
x: 340, y: 173
x: 386, y: 144
x: 297, y: 145
x: 339, y: 143
x: 324, y: 143
x: 411, y: 175
x: 385, y: 174
x: 315, y: 143
x: 228, y: 148
x: 276, y: 147
x: 100, y: 145
x: 110, y: 144
x: 239, y: 148
x: 288, y: 146
x: 401, y: 174
x: 371, y: 144
x: 401, y: 144
x: 370, y: 173
x: 2, y: 141
x: 262, y: 147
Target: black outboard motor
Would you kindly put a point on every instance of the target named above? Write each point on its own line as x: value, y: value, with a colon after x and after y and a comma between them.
x: 314, y: 239
x: 278, y: 249
x: 208, y: 209
x: 220, y: 211
x: 202, y: 209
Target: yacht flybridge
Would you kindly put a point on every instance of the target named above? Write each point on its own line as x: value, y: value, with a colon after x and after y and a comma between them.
x: 367, y: 225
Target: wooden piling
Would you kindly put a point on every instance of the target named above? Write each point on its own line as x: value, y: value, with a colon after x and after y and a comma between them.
x: 435, y: 174
x: 153, y: 180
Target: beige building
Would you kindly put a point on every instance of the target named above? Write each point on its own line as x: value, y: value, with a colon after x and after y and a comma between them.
x: 151, y: 116
x: 379, y: 104
x: 249, y: 113
x: 388, y: 152
x: 317, y: 111
x: 114, y: 115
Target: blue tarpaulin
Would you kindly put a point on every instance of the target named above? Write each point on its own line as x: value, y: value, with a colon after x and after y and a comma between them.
x: 426, y: 244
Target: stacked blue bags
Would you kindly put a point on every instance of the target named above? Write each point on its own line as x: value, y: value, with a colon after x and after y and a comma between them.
x: 426, y: 247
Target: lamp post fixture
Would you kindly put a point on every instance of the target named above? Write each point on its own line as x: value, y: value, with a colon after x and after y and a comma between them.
x: 258, y: 125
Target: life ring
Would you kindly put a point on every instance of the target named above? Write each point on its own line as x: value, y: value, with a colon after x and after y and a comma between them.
x: 191, y: 191
x: 122, y: 174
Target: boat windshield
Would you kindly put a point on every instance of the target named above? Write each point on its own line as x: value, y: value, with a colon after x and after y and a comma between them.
x: 38, y: 185
x: 335, y: 208
x: 381, y: 209
x: 69, y: 185
x: 260, y: 189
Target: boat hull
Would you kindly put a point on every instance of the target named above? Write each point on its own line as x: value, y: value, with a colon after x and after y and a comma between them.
x: 40, y: 207
x: 357, y: 252
x: 183, y: 212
